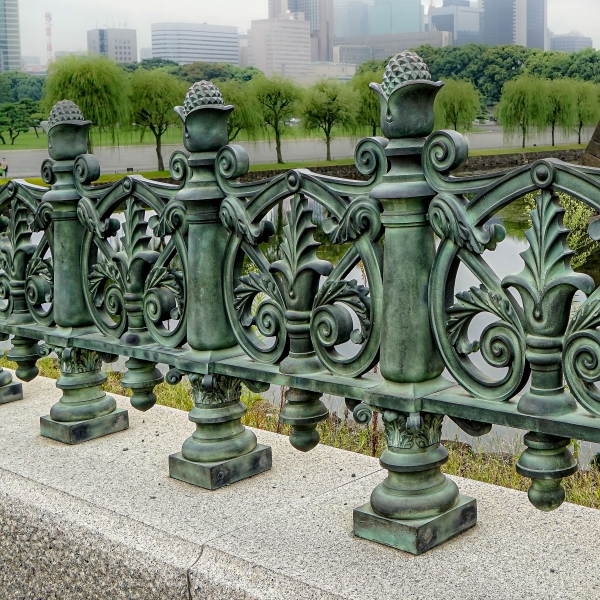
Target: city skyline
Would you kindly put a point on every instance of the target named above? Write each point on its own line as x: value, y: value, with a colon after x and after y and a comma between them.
x: 71, y: 23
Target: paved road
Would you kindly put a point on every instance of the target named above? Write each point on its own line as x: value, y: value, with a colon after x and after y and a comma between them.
x: 26, y: 163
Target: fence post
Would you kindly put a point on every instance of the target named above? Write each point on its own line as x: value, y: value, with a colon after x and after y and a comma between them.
x: 221, y: 450
x: 84, y: 412
x: 416, y: 507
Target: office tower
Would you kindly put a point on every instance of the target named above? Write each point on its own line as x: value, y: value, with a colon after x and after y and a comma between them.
x: 397, y: 16
x: 280, y: 46
x: 458, y: 17
x: 10, y: 38
x: 351, y: 17
x: 119, y: 45
x: 521, y: 22
x: 570, y: 42
x: 277, y: 8
x: 320, y: 15
x: 537, y: 24
x: 185, y: 43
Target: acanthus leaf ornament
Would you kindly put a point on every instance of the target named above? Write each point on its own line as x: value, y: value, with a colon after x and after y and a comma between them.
x: 468, y: 306
x: 547, y: 272
x: 406, y: 431
x: 299, y: 246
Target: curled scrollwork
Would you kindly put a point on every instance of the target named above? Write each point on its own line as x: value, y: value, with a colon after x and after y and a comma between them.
x: 136, y: 282
x: 268, y: 318
x: 282, y: 308
x: 501, y: 343
x: 449, y: 219
x: 41, y: 219
x: 445, y: 151
x: 235, y: 220
x: 361, y: 216
x: 258, y: 387
x: 178, y: 166
x: 88, y: 217
x: 174, y: 376
x: 581, y: 354
x: 369, y: 156
x: 173, y: 218
x: 362, y: 414
x: 86, y: 168
x: 47, y: 172
x: 232, y: 161
x: 39, y: 288
x: 474, y: 428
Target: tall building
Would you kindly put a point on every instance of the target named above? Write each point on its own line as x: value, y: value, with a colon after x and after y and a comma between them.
x: 352, y: 17
x: 397, y: 16
x: 320, y: 15
x: 458, y: 17
x: 186, y: 43
x: 537, y: 24
x: 570, y: 42
x: 10, y: 38
x: 521, y: 22
x: 119, y: 45
x: 280, y: 46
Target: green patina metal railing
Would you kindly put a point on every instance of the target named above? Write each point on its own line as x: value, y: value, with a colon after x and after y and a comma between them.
x: 175, y: 275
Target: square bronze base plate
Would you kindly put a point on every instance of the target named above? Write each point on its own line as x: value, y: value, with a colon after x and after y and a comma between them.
x: 212, y: 476
x: 11, y: 393
x: 77, y: 432
x: 419, y: 535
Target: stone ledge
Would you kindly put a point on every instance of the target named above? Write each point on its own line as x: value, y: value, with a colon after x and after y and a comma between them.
x: 99, y: 521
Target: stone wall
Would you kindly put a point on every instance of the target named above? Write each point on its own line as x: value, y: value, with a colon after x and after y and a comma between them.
x: 493, y: 162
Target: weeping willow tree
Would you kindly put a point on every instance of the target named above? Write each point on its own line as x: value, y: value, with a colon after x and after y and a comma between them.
x: 457, y: 105
x: 522, y: 108
x: 97, y: 85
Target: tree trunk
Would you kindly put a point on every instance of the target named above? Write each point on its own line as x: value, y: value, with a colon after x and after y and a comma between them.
x: 278, y: 146
x: 2, y: 138
x: 161, y: 164
x: 375, y: 130
x: 553, y: 126
x: 37, y: 135
x: 279, y: 222
x: 328, y: 144
x: 524, y: 134
x: 580, y: 128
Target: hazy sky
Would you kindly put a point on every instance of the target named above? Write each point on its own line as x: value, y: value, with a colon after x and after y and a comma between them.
x: 72, y: 18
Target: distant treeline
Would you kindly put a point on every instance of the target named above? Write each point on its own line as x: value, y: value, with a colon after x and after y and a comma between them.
x: 488, y: 68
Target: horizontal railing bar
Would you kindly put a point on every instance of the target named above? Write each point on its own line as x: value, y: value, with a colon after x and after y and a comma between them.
x: 371, y: 388
x: 456, y: 402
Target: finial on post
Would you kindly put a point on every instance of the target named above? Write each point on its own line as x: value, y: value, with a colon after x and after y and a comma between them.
x: 67, y: 131
x: 407, y: 95
x: 204, y: 116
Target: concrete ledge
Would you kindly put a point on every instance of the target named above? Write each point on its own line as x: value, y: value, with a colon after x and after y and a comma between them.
x: 104, y: 520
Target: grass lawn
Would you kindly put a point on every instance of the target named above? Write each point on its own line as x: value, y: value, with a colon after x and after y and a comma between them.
x: 494, y: 151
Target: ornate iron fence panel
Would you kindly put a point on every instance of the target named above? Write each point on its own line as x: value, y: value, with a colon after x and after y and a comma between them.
x: 196, y: 275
